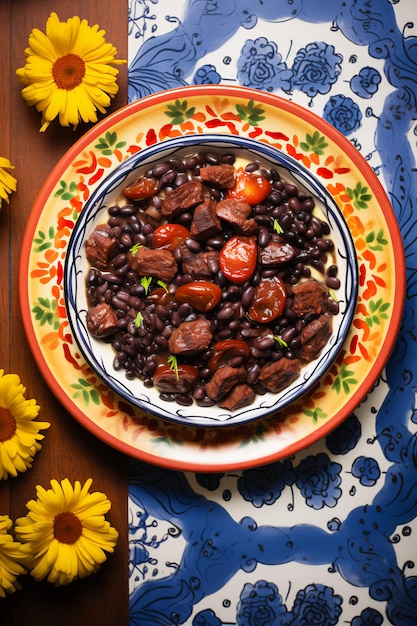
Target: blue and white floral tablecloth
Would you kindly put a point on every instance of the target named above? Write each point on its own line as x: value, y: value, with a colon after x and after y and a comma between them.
x: 327, y: 536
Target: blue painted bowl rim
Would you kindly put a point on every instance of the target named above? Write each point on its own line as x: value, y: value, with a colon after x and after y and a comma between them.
x: 194, y: 415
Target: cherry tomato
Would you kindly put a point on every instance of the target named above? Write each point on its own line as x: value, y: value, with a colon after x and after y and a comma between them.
x: 142, y: 188
x: 202, y: 295
x: 180, y: 381
x: 238, y: 258
x: 170, y: 236
x: 250, y: 187
x: 269, y: 300
x: 224, y: 350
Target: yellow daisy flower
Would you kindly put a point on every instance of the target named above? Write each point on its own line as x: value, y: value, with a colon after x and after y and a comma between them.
x: 19, y: 431
x: 67, y: 531
x: 68, y: 72
x: 7, y: 181
x: 12, y: 555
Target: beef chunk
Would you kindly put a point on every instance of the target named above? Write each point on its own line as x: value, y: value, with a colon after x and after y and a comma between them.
x: 101, y: 320
x: 247, y: 227
x: 236, y: 213
x: 190, y: 337
x: 241, y: 395
x: 205, y: 222
x: 309, y: 298
x: 220, y: 175
x: 182, y: 198
x: 279, y: 374
x: 200, y: 265
x: 314, y: 337
x: 158, y: 263
x: 223, y: 380
x: 101, y: 247
x: 276, y: 253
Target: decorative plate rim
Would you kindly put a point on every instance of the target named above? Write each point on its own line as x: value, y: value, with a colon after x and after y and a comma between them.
x: 221, y: 457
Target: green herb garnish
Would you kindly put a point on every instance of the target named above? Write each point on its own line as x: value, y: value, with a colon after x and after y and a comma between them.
x: 173, y: 364
x: 281, y: 341
x: 163, y: 285
x: 145, y: 281
x: 277, y: 227
x: 139, y: 320
x: 135, y: 248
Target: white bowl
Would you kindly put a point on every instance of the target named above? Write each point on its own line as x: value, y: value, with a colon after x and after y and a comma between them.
x: 100, y: 354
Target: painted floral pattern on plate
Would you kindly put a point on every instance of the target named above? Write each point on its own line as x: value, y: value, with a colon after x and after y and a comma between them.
x: 190, y: 113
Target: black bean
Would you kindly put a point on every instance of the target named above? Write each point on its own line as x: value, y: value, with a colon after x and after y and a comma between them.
x: 206, y: 402
x: 134, y: 224
x: 161, y: 342
x: 192, y: 162
x: 115, y: 221
x: 332, y: 306
x: 199, y: 393
x: 290, y: 189
x: 236, y: 361
x: 183, y: 399
x: 308, y: 204
x: 180, y: 179
x: 128, y: 210
x: 253, y: 374
x: 225, y: 313
x: 264, y: 237
x: 211, y: 158
x: 114, y: 279
x: 265, y: 343
x: 160, y: 169
x: 228, y: 159
x: 121, y: 271
x: 288, y: 334
x: 126, y: 240
x: 178, y: 165
x: 276, y: 197
x: 215, y: 242
x: 332, y: 282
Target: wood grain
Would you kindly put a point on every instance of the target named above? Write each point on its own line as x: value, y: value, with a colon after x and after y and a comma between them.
x: 68, y: 450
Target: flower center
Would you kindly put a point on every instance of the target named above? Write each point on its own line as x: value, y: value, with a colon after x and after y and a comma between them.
x: 7, y: 424
x: 67, y: 527
x: 68, y: 71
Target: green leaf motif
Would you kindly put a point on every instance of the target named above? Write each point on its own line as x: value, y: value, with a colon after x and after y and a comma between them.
x: 256, y: 436
x: 376, y: 241
x: 315, y: 414
x: 251, y: 113
x: 179, y: 111
x: 108, y: 144
x: 87, y: 391
x: 65, y: 191
x: 344, y: 381
x: 314, y: 143
x: 45, y: 312
x: 169, y: 441
x: 360, y: 196
x: 43, y: 241
x: 377, y: 309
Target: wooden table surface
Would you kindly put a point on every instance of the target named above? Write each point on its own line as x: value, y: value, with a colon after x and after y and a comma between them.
x: 68, y: 449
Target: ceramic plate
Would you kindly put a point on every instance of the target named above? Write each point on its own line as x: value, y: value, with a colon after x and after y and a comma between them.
x: 296, y: 132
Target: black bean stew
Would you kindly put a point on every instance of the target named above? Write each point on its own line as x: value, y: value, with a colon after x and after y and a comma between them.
x: 213, y: 280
